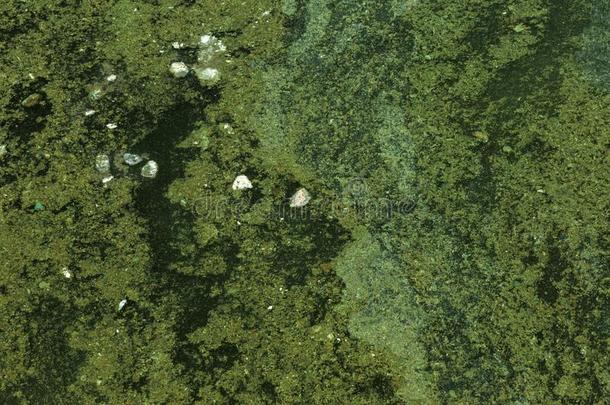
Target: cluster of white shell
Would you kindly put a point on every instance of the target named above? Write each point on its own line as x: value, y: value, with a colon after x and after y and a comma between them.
x: 299, y: 199
x: 211, y: 55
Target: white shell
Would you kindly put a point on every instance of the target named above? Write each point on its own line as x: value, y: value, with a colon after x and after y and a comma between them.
x: 179, y: 69
x: 132, y: 159
x: 122, y: 304
x: 241, y: 182
x: 300, y: 198
x: 150, y: 169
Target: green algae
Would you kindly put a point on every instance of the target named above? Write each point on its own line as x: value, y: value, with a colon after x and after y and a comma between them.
x: 429, y: 267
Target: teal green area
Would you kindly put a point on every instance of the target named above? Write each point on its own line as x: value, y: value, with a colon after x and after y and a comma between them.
x: 455, y: 249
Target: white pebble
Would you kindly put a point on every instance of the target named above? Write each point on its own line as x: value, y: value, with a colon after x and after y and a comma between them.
x: 208, y: 74
x: 122, y: 304
x: 206, y: 39
x: 150, y: 169
x: 179, y: 69
x: 131, y: 159
x: 89, y: 113
x: 107, y: 179
x: 300, y: 198
x: 177, y: 45
x: 241, y: 182
x: 67, y: 273
x: 111, y: 78
x: 111, y: 125
x: 102, y: 163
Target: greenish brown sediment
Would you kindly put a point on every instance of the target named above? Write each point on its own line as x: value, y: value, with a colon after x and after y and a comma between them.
x: 433, y: 264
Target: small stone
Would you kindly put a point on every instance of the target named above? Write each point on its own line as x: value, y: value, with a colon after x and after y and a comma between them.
x: 122, y: 304
x: 519, y: 28
x: 210, y: 75
x: 241, y: 182
x: 481, y: 136
x: 96, y: 94
x: 31, y: 100
x: 89, y: 113
x: 150, y: 169
x: 300, y: 198
x: 207, y: 39
x: 228, y: 128
x: 102, y: 163
x: 111, y: 125
x: 131, y: 159
x: 179, y: 69
x: 111, y: 78
x: 66, y: 272
x: 107, y: 179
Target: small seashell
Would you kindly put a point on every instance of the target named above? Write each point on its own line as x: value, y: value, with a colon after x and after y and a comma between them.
x: 131, y: 159
x: 102, y: 163
x: 300, y: 198
x: 122, y: 303
x: 241, y: 182
x: 150, y: 169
